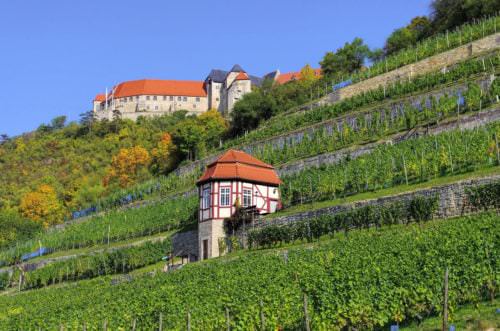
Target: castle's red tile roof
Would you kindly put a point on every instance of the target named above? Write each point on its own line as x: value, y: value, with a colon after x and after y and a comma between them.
x: 100, y: 97
x: 160, y: 87
x: 239, y: 165
x: 288, y: 76
x: 242, y: 76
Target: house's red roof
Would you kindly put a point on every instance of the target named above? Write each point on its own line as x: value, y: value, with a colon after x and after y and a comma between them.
x: 239, y: 165
x: 100, y: 97
x: 288, y: 76
x: 242, y: 76
x: 160, y: 87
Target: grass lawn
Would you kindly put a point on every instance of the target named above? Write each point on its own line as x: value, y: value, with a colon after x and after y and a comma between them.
x: 386, y: 192
x: 470, y: 317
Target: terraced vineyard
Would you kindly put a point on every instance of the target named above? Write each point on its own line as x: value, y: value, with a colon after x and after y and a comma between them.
x: 370, y: 278
x: 114, y: 226
x: 407, y: 162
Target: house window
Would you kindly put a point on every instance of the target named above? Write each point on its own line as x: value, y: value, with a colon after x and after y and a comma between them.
x: 247, y: 198
x: 205, y: 202
x: 197, y: 99
x: 216, y: 99
x: 224, y: 196
x: 171, y: 98
x: 147, y: 97
x: 185, y: 99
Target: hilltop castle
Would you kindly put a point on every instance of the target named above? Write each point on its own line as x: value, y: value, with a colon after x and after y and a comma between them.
x: 152, y: 97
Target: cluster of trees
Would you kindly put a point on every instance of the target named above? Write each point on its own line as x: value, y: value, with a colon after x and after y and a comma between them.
x: 61, y: 167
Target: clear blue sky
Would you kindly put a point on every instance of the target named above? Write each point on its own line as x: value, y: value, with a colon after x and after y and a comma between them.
x: 57, y: 54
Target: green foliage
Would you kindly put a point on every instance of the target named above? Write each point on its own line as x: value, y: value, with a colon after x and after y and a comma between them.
x: 448, y: 14
x: 367, y: 280
x: 90, y: 266
x: 407, y: 36
x: 113, y: 226
x: 346, y: 59
x: 4, y: 280
x: 14, y: 228
x: 418, y: 209
x: 484, y: 197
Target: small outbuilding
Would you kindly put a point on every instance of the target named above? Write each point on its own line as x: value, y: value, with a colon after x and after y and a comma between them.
x: 234, y: 177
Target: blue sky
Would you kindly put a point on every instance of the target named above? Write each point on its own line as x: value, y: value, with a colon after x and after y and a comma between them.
x: 57, y: 54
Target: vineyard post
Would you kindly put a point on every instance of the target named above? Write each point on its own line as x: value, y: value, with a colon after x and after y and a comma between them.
x: 306, y: 315
x: 445, y: 302
x: 404, y: 167
x: 105, y: 325
x: 228, y: 320
x: 262, y: 318
x: 84, y: 326
x: 160, y: 328
x: 188, y: 321
x: 109, y: 229
x: 496, y: 149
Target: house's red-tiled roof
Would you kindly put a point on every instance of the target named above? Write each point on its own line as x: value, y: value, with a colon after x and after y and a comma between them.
x: 160, y: 87
x: 100, y: 97
x: 242, y: 76
x: 288, y: 76
x: 239, y: 165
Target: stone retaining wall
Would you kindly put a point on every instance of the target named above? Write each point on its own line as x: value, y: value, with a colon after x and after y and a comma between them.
x: 452, y: 202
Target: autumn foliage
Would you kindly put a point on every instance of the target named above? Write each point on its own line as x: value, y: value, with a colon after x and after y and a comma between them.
x: 163, y: 156
x: 129, y: 165
x: 42, y: 206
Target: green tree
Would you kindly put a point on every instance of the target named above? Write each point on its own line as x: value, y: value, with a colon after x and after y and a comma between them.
x: 418, y: 29
x: 448, y: 14
x: 58, y: 122
x: 345, y: 60
x: 190, y: 138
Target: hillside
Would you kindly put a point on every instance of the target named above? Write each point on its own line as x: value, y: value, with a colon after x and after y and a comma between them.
x: 390, y: 175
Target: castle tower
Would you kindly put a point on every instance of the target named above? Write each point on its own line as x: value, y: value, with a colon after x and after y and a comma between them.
x: 233, y: 176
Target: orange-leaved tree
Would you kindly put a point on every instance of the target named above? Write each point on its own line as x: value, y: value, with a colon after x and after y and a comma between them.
x: 42, y: 206
x: 129, y: 165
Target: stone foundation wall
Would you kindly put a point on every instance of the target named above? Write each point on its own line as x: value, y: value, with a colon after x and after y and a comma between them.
x: 185, y: 244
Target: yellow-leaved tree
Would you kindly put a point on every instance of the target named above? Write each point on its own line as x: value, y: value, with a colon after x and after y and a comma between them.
x: 129, y: 165
x: 163, y: 157
x: 307, y: 74
x: 42, y: 206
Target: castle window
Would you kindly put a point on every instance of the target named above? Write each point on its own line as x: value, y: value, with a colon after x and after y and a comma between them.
x: 164, y: 97
x: 247, y: 198
x: 155, y: 98
x: 156, y: 107
x: 130, y: 99
x: 137, y: 98
x: 224, y: 196
x: 216, y: 99
x: 197, y: 99
x: 194, y: 105
x: 206, y: 199
x: 171, y: 98
x: 147, y: 97
x: 185, y: 99
x: 179, y: 98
